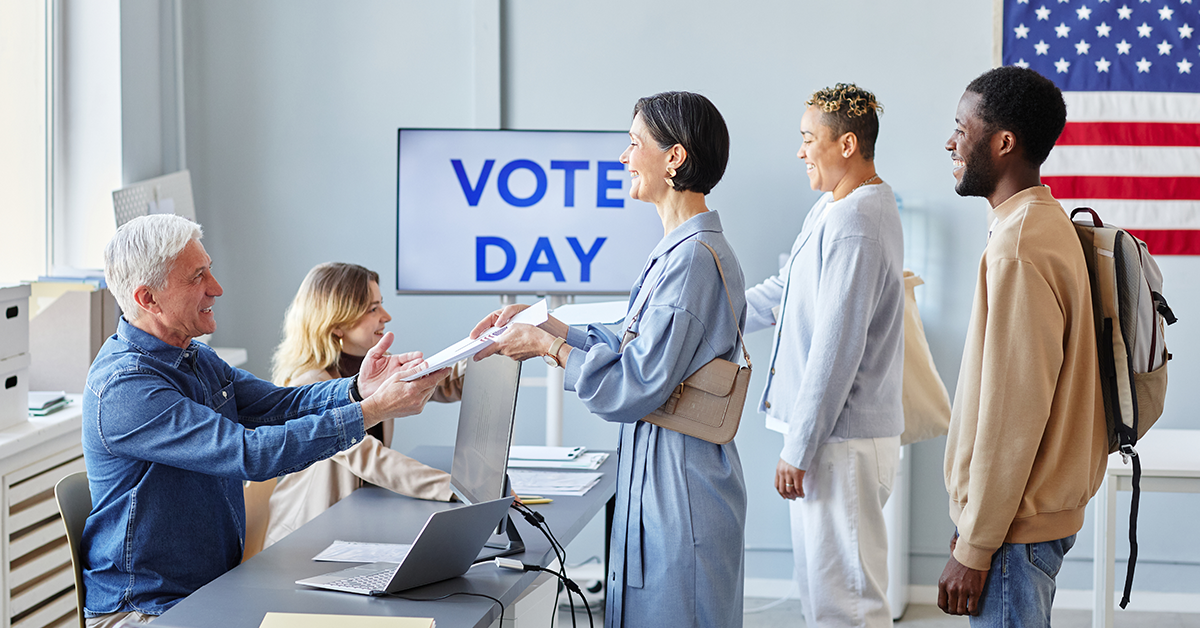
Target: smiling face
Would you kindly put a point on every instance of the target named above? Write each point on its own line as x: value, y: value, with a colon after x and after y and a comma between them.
x: 821, y: 152
x: 974, y: 166
x: 358, y: 338
x: 647, y: 164
x: 183, y: 310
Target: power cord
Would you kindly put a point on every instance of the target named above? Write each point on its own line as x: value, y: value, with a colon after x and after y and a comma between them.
x: 536, y: 520
x: 470, y: 593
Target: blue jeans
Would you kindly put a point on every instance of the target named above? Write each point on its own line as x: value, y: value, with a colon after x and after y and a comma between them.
x: 1020, y: 584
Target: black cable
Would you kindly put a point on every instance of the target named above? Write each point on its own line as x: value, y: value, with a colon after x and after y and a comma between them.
x: 536, y: 520
x: 434, y: 599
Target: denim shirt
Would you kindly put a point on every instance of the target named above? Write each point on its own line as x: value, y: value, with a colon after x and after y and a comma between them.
x: 168, y: 436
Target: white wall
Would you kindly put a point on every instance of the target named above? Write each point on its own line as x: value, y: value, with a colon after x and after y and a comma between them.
x: 292, y: 110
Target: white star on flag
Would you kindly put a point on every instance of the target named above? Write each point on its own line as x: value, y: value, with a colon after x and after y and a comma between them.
x: 1164, y: 48
x: 1022, y: 31
x: 1084, y: 13
x: 1102, y: 65
x: 1042, y: 47
x: 1103, y: 29
x: 1062, y: 29
x: 1185, y: 31
x: 1185, y: 67
x: 1062, y: 65
x: 1124, y: 12
x: 1165, y: 14
x: 1144, y: 30
x: 1123, y: 47
x: 1082, y: 47
x: 1043, y: 13
x: 1022, y: 63
x: 1144, y: 66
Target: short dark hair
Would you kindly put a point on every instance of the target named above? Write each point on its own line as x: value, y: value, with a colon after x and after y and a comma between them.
x: 849, y: 108
x: 692, y: 121
x: 1024, y: 102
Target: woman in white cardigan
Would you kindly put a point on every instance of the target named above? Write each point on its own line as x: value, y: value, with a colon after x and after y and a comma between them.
x: 336, y: 316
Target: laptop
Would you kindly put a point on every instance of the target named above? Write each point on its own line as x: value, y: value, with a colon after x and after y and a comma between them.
x: 446, y: 547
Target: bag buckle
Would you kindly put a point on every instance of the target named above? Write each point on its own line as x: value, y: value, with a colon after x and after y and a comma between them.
x: 1127, y: 451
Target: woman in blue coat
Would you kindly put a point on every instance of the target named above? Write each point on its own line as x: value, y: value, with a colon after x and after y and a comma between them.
x: 678, y: 537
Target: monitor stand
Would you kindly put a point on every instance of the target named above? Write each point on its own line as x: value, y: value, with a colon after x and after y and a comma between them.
x: 508, y: 541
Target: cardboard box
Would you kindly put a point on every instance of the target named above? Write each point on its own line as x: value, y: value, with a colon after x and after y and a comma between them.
x: 65, y: 334
x: 14, y: 320
x: 14, y: 391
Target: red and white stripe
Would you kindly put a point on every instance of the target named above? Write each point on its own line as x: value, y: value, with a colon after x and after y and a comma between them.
x: 1135, y: 158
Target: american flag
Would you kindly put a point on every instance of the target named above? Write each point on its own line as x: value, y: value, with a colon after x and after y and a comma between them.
x: 1130, y: 73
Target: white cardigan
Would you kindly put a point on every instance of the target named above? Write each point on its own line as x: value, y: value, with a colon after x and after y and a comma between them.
x: 836, y: 367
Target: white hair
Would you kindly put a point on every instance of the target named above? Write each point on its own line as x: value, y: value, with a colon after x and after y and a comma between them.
x: 142, y: 253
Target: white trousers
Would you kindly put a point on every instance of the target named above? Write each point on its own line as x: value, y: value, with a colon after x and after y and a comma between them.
x: 839, y: 539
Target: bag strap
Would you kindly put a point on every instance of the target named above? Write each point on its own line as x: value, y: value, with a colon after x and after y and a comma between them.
x: 741, y: 341
x: 640, y: 304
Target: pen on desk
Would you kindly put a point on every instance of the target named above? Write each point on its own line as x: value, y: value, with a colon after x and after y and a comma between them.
x: 525, y: 497
x: 533, y: 502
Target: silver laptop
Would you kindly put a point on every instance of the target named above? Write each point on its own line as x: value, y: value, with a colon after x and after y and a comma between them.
x: 446, y: 547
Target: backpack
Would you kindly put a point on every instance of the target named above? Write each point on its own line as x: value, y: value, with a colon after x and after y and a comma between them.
x: 1129, y: 312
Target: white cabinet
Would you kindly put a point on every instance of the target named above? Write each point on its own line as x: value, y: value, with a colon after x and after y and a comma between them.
x: 35, y: 563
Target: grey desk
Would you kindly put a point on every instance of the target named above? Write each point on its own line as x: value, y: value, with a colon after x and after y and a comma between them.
x: 265, y: 583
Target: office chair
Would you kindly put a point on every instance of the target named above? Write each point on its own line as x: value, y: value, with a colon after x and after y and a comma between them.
x: 74, y: 504
x: 257, y: 496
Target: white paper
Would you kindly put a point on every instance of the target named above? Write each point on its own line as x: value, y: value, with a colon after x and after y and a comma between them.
x: 530, y: 482
x: 537, y: 452
x: 585, y: 462
x: 535, y: 315
x: 604, y: 313
x: 355, y: 552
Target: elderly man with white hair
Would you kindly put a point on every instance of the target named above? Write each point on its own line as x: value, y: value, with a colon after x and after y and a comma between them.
x: 170, y: 430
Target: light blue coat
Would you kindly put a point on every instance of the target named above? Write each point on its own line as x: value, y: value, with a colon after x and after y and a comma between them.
x: 677, y: 556
x: 837, y: 362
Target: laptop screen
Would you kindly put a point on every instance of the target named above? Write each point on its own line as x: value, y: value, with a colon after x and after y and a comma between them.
x: 485, y: 427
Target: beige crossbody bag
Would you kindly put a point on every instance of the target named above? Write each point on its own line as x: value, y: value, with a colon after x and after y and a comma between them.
x: 707, y: 405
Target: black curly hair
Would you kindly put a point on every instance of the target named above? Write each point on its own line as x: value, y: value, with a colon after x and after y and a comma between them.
x: 692, y: 121
x: 849, y: 108
x: 1024, y: 102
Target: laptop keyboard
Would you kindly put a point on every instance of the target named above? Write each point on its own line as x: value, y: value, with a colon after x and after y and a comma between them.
x: 370, y: 582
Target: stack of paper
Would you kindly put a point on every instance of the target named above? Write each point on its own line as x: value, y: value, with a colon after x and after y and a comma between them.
x: 42, y: 403
x: 584, y: 462
x: 527, y: 482
x: 533, y: 315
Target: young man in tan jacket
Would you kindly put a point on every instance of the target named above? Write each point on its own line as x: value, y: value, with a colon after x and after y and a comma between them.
x: 1027, y: 446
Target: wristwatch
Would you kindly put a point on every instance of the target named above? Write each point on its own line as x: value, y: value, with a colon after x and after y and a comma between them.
x: 551, y: 356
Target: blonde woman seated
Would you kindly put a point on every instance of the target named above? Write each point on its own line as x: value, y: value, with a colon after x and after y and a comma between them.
x: 335, y: 318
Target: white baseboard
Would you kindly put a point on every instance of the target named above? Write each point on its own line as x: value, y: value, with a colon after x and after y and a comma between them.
x: 1070, y: 599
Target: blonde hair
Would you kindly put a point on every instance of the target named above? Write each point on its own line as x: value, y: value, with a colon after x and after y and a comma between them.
x: 332, y: 295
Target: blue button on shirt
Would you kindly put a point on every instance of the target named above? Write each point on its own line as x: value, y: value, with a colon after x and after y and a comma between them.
x: 168, y: 436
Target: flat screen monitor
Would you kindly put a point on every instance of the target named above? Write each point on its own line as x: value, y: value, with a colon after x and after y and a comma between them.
x: 485, y: 428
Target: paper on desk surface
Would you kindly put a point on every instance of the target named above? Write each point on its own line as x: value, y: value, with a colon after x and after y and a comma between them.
x: 535, y: 314
x: 539, y: 452
x: 355, y: 552
x: 531, y: 482
x: 307, y: 620
x: 589, y: 461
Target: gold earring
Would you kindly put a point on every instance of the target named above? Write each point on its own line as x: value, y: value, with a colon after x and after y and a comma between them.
x: 670, y: 176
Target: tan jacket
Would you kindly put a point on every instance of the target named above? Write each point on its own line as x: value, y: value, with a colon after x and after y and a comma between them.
x: 1027, y: 446
x: 301, y: 496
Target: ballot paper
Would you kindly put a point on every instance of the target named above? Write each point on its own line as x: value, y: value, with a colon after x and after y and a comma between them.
x: 535, y: 314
